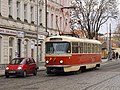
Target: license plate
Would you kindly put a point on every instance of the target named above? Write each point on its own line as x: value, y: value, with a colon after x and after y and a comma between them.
x: 11, y: 71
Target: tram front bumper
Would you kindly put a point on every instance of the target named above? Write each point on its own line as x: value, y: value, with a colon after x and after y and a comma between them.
x: 55, y: 70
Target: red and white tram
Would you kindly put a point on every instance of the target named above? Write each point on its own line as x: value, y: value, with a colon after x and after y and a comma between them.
x: 68, y: 54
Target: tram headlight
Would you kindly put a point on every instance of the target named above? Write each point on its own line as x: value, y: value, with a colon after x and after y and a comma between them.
x: 61, y: 61
x: 47, y: 61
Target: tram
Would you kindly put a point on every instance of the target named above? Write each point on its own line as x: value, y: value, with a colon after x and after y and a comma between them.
x: 70, y: 54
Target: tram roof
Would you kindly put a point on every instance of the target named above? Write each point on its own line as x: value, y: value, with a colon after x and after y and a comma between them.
x: 71, y: 39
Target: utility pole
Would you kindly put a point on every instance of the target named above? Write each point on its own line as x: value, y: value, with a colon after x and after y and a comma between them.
x: 37, y: 32
x: 46, y: 16
x: 110, y: 47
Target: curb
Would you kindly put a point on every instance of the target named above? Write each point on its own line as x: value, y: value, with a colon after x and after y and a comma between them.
x: 3, y: 71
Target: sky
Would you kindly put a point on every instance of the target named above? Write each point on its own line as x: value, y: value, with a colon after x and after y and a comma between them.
x: 106, y: 27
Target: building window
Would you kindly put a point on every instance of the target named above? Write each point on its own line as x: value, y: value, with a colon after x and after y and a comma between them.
x: 10, y: 7
x: 51, y: 20
x: 47, y: 19
x: 56, y: 21
x: 18, y: 9
x: 11, y: 45
x: 66, y: 22
x: 25, y: 11
x: 60, y: 1
x: 40, y: 16
x: 66, y: 25
x: 32, y: 12
x: 61, y: 23
x: 66, y: 2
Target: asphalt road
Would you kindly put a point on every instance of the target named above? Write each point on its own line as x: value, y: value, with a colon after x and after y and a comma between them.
x: 107, y: 77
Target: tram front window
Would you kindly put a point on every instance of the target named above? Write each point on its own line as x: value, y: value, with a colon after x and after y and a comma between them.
x: 57, y: 47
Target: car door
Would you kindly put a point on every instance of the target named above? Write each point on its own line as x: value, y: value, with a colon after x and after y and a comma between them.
x: 28, y: 66
x: 33, y: 65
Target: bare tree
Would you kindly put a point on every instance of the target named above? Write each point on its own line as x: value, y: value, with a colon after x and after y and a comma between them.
x: 116, y: 35
x: 91, y: 14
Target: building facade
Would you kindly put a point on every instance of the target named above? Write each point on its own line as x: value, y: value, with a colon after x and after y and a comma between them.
x: 58, y: 17
x: 19, y: 21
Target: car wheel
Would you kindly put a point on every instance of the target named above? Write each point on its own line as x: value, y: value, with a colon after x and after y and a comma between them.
x: 7, y: 76
x: 24, y: 74
x: 35, y: 72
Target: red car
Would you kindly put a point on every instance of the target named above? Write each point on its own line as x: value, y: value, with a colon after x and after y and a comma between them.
x: 21, y: 67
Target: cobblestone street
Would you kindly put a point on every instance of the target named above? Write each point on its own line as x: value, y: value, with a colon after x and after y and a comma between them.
x: 107, y: 77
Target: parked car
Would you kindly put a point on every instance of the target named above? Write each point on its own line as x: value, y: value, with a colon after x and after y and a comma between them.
x: 21, y: 67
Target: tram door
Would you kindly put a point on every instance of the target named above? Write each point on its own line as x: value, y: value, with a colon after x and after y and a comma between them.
x: 19, y: 48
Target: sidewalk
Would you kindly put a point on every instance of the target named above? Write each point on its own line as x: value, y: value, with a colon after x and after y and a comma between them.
x: 2, y: 72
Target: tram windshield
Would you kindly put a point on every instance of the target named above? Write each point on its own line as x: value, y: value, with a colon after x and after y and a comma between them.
x: 58, y: 47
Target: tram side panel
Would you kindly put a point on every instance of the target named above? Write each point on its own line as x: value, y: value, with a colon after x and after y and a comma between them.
x: 72, y: 63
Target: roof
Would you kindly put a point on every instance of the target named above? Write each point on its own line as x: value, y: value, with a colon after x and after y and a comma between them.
x: 72, y: 39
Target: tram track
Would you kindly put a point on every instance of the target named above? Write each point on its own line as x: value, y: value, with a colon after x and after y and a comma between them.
x: 110, y: 67
x: 96, y: 84
x: 27, y: 84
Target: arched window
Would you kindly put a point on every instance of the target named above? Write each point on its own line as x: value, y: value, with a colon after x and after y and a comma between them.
x: 18, y: 53
x: 11, y: 45
x: 32, y: 48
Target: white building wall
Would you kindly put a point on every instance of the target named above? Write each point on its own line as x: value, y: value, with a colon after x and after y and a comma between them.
x: 29, y: 29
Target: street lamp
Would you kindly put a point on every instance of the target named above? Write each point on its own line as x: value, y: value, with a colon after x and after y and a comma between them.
x: 37, y: 34
x: 46, y: 15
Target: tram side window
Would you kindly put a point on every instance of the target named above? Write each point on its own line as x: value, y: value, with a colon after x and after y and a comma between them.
x: 74, y: 47
x: 92, y: 46
x: 99, y: 48
x: 95, y: 48
x: 85, y: 47
x: 89, y: 48
x: 81, y: 47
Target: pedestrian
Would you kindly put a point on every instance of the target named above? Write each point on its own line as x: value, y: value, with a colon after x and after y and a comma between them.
x: 113, y: 55
x: 116, y: 55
